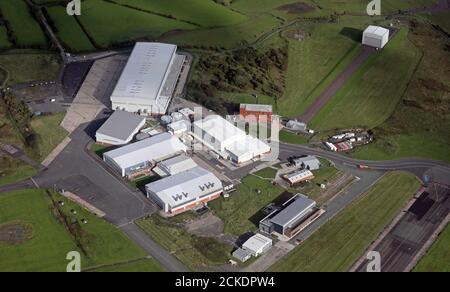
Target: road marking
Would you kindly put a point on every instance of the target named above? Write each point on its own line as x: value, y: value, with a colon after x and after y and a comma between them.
x: 34, y: 182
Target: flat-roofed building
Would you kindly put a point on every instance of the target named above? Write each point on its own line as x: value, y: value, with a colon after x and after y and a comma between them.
x: 176, y: 165
x: 299, y: 176
x: 120, y: 128
x: 375, y: 36
x: 256, y: 112
x: 148, y: 80
x: 138, y: 158
x: 185, y: 190
x: 294, y: 215
x: 227, y: 140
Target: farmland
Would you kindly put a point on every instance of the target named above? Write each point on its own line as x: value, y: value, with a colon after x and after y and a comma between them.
x: 26, y: 29
x: 341, y: 241
x: 199, y: 12
x: 120, y: 25
x: 42, y: 240
x: 69, y: 30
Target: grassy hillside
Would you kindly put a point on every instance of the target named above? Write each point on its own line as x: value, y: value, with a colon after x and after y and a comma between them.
x: 4, y: 42
x: 372, y: 93
x: 420, y: 125
x: 341, y: 241
x: 205, y: 13
x: 43, y: 239
x: 110, y: 24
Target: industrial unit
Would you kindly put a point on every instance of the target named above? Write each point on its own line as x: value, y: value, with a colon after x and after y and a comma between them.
x: 254, y: 246
x: 149, y: 79
x: 307, y: 162
x: 256, y: 112
x: 375, y: 36
x: 138, y: 158
x: 299, y: 177
x: 228, y: 141
x: 175, y: 165
x: 120, y: 128
x: 185, y: 190
x: 294, y: 215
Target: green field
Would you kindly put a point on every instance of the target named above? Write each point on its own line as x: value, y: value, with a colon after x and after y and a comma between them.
x: 341, y: 241
x: 4, y: 42
x: 110, y: 24
x: 372, y: 93
x: 311, y: 61
x: 205, y: 13
x: 240, y: 211
x: 47, y: 239
x: 49, y: 132
x: 25, y: 27
x: 69, y: 31
x: 420, y: 125
x: 26, y: 66
x: 291, y: 138
x: 437, y: 258
x: 197, y: 253
x: 12, y: 171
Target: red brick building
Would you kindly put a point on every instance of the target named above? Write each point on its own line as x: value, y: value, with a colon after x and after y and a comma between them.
x: 256, y: 112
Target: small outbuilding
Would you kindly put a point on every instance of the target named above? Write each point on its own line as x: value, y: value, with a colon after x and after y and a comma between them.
x: 307, y: 162
x: 257, y: 244
x: 242, y: 255
x: 375, y: 36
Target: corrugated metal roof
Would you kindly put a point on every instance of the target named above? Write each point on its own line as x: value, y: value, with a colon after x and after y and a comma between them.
x: 186, y: 186
x: 121, y: 125
x: 144, y: 74
x: 152, y: 149
x: 301, y: 205
x: 299, y: 175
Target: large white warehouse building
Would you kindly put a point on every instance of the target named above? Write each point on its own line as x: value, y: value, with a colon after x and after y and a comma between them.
x: 375, y: 36
x: 185, y: 190
x: 149, y: 79
x: 227, y: 140
x: 137, y: 158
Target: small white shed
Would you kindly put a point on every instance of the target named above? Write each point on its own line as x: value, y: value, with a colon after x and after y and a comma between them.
x: 375, y: 36
x: 257, y: 244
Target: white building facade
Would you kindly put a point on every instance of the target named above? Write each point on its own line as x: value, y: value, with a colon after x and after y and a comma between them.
x: 139, y: 157
x: 185, y: 190
x: 227, y: 140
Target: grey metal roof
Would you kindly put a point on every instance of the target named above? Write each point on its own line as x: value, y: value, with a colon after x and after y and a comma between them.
x: 145, y: 71
x: 120, y: 125
x: 242, y: 254
x: 178, y: 164
x: 291, y: 212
